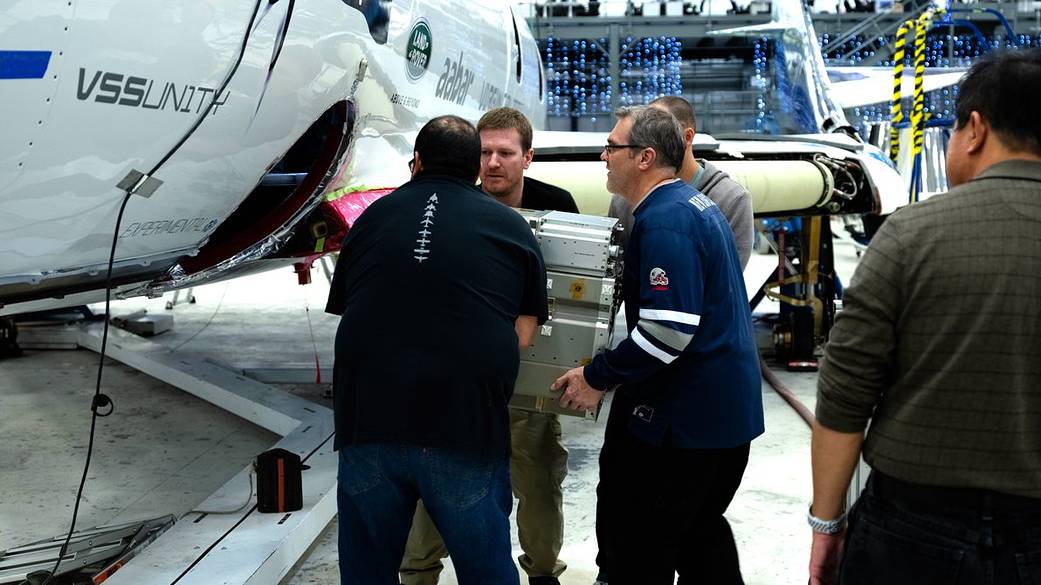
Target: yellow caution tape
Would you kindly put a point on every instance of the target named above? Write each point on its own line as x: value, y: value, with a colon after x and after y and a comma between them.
x: 896, y: 113
x: 921, y: 26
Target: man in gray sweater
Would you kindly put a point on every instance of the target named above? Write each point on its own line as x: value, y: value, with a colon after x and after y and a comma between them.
x: 731, y: 198
x: 939, y: 347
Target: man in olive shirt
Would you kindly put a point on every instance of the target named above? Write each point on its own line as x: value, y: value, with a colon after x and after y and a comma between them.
x: 538, y: 462
x: 939, y: 346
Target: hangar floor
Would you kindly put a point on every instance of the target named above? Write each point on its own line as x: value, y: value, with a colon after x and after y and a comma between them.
x: 163, y: 452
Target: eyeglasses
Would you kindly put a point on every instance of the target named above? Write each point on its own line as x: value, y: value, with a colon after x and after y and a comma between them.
x: 412, y: 166
x: 610, y: 147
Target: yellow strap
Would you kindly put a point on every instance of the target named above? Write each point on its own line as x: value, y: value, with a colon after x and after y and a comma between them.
x: 921, y: 26
x: 917, y: 113
x: 896, y: 113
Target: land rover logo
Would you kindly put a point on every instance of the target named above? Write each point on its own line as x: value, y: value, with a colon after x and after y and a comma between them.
x: 418, y: 51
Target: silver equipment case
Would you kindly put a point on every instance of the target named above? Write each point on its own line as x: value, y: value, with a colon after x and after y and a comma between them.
x: 583, y: 260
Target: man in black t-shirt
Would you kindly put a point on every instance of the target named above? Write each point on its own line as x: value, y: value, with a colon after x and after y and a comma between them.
x: 541, y: 196
x: 539, y: 460
x: 439, y: 287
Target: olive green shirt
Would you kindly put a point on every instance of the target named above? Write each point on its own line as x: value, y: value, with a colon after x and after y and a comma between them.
x: 939, y: 341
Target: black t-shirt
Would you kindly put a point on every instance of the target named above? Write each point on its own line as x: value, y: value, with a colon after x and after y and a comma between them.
x: 543, y: 196
x: 429, y: 284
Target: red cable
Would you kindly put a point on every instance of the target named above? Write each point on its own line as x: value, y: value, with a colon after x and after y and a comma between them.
x: 786, y: 393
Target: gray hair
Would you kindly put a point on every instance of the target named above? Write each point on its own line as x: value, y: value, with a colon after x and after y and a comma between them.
x: 657, y: 129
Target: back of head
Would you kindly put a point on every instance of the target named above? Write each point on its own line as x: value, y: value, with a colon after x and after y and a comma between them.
x: 1003, y: 86
x: 504, y: 119
x: 678, y: 107
x: 659, y: 130
x: 449, y: 145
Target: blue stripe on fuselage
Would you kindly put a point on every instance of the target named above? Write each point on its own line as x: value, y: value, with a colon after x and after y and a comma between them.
x: 24, y: 64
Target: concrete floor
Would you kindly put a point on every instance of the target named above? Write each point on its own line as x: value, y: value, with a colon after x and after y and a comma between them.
x: 163, y: 452
x: 767, y: 514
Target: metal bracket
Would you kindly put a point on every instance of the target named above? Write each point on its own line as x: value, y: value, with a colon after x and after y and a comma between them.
x: 138, y: 183
x: 359, y: 76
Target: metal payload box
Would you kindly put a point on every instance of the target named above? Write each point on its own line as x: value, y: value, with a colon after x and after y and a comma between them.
x: 583, y: 259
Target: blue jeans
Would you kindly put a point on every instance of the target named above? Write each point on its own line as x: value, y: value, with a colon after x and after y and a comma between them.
x: 467, y: 495
x: 901, y: 533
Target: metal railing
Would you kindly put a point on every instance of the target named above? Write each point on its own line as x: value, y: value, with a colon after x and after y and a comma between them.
x: 621, y: 8
x: 873, y: 28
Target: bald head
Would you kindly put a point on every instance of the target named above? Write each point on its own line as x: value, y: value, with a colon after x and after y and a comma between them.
x: 450, y: 145
x: 679, y: 108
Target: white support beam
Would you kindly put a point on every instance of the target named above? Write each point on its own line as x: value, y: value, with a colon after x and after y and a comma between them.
x: 246, y: 547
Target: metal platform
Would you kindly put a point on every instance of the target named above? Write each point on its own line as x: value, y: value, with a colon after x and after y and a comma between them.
x: 206, y: 547
x: 108, y: 547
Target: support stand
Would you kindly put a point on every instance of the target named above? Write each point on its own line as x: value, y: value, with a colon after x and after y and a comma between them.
x: 9, y: 338
x: 189, y: 297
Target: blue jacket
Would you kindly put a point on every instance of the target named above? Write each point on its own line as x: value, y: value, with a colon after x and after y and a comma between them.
x: 690, y: 364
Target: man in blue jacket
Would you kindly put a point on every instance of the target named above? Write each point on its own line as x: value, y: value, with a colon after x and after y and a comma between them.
x: 689, y: 398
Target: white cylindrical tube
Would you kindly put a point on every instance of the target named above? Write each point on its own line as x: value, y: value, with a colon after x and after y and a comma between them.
x: 782, y: 185
x: 776, y: 186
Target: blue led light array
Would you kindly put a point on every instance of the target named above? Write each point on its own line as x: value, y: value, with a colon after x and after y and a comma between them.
x: 579, y: 82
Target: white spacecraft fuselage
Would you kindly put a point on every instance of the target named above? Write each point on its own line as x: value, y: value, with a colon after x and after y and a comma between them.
x: 318, y: 117
x: 92, y: 89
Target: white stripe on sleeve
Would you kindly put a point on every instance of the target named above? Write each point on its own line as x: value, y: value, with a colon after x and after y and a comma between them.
x: 649, y: 347
x: 675, y: 316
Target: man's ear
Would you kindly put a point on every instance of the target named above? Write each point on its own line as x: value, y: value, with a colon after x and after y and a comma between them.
x: 528, y: 156
x: 647, y: 158
x: 977, y: 133
x: 688, y: 136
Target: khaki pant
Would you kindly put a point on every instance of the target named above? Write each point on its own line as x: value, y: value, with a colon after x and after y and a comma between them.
x: 537, y: 470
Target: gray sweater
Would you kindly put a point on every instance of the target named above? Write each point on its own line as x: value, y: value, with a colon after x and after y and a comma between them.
x: 731, y: 198
x: 939, y: 342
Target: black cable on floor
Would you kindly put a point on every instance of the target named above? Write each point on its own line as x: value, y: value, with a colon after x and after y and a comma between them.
x: 100, y: 400
x: 208, y: 321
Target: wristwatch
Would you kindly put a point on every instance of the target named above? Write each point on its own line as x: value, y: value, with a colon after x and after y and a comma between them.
x: 825, y: 526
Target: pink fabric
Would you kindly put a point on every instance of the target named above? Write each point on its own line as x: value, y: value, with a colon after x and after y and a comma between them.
x: 350, y: 206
